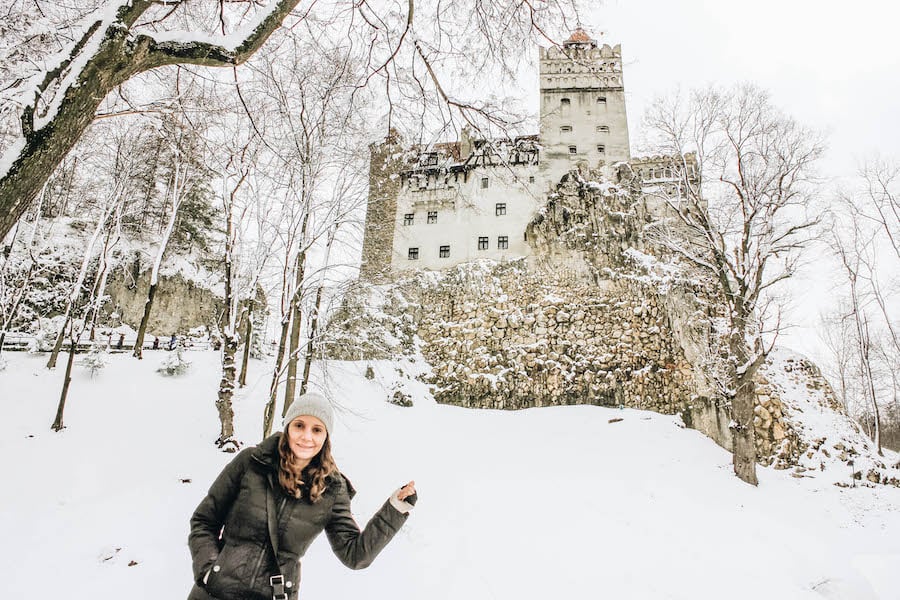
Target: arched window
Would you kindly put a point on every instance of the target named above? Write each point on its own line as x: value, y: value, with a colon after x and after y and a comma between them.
x: 565, y: 107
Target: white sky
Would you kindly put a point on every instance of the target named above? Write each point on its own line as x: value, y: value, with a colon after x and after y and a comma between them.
x: 832, y: 65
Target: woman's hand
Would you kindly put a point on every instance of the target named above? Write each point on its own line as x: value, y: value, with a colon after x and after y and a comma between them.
x: 406, y: 491
x: 398, y: 498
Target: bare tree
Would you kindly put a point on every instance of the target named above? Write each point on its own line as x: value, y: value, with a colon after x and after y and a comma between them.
x: 111, y: 206
x: 837, y: 334
x: 741, y: 219
x: 864, y: 239
x: 234, y: 176
x: 349, y: 194
x: 76, y: 327
x: 305, y: 127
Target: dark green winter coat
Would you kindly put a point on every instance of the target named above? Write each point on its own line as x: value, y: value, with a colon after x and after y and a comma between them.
x: 229, y: 532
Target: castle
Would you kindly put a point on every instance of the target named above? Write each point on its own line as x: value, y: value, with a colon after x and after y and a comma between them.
x: 456, y: 202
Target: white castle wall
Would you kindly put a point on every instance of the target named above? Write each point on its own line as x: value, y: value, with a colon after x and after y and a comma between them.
x: 465, y: 211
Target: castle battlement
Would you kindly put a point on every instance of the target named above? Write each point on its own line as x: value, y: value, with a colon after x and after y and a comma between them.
x: 664, y: 167
x: 605, y: 51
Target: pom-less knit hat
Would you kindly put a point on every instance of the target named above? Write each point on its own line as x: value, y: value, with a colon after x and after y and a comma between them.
x: 311, y: 404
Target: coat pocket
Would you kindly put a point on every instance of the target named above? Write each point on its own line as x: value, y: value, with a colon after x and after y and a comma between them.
x: 229, y: 577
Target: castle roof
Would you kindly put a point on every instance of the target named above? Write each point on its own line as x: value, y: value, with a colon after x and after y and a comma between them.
x: 579, y: 36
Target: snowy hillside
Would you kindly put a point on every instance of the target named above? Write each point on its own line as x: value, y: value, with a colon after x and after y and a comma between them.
x: 563, y: 502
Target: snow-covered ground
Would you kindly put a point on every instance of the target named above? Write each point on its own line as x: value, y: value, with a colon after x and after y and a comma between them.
x: 556, y: 502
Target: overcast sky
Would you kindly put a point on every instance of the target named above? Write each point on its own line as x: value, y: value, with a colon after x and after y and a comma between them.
x: 832, y: 65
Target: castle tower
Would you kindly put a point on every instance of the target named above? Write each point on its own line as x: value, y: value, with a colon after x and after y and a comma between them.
x: 582, y: 106
x: 384, y: 187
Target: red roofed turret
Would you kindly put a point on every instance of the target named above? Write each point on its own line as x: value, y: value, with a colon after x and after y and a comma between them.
x: 580, y: 37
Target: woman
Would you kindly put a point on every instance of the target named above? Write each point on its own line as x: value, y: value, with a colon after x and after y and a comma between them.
x: 272, y: 501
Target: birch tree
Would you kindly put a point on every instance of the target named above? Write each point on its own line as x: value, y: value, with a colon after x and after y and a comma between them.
x: 742, y: 221
x: 234, y: 180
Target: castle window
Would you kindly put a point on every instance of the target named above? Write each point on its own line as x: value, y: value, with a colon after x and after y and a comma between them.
x: 601, y: 100
x: 484, y: 182
x: 503, y: 242
x: 500, y: 209
x: 602, y: 128
x: 565, y: 105
x: 408, y: 218
x: 444, y: 252
x: 573, y: 150
x: 432, y: 216
x: 413, y: 254
x: 531, y: 179
x: 565, y: 129
x: 482, y: 243
x: 601, y: 148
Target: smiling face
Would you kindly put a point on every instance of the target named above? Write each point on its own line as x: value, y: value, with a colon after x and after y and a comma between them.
x: 306, y: 435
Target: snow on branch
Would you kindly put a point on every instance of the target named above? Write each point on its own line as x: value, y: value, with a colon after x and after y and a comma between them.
x: 183, y: 47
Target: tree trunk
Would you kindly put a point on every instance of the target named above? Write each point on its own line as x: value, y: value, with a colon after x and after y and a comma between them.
x: 226, y: 392
x: 58, y: 421
x: 869, y: 380
x: 269, y: 412
x: 142, y: 330
x: 743, y: 432
x: 97, y: 292
x: 313, y: 331
x: 290, y: 385
x: 742, y: 404
x: 51, y: 362
x: 242, y: 378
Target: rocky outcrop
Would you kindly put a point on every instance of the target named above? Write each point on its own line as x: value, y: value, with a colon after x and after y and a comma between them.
x: 179, y: 305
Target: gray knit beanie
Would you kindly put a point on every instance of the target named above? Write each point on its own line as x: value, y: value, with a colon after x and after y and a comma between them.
x: 313, y: 404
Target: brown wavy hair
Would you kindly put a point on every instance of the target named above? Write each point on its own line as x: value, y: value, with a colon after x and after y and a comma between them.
x: 310, y: 481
